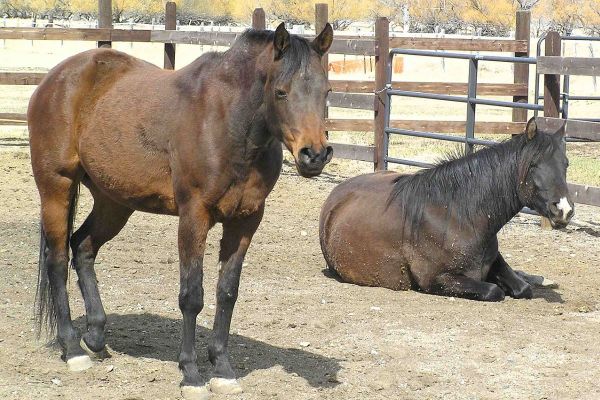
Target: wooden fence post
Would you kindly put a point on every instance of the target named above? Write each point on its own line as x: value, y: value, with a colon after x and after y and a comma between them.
x: 523, y: 20
x: 382, y: 50
x: 258, y: 19
x: 551, y: 90
x: 171, y: 25
x: 105, y: 19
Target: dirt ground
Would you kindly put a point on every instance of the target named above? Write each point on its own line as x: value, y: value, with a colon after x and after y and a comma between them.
x: 363, y: 343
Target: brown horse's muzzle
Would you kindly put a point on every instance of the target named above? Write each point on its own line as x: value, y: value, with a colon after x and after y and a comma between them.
x: 310, y: 161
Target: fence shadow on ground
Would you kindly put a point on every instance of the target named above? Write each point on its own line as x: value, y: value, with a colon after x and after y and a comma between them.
x: 155, y: 336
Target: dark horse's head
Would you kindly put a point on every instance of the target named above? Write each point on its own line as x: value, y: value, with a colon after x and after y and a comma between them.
x: 295, y: 96
x: 543, y: 175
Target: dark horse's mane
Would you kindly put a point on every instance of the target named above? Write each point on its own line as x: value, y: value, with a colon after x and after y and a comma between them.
x: 482, y: 183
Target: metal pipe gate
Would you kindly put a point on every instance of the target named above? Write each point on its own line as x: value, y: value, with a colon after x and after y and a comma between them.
x: 471, y: 100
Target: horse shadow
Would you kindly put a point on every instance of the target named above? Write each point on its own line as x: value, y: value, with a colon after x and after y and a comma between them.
x: 155, y: 336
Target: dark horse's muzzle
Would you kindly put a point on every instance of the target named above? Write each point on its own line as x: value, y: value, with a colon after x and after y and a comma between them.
x: 561, y: 212
x: 311, y: 163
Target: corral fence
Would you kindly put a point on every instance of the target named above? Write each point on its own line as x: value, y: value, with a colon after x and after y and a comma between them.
x: 551, y: 66
x: 368, y: 95
x: 347, y: 94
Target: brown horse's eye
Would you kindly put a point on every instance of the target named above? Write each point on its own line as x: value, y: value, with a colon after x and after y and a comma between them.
x: 281, y: 94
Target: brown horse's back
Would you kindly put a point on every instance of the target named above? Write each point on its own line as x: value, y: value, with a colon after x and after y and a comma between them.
x: 356, y: 234
x: 98, y: 106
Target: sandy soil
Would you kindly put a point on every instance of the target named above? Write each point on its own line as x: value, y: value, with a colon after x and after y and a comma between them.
x: 363, y: 342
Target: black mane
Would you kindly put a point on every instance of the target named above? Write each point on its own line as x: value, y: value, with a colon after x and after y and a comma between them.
x: 295, y: 57
x: 483, y: 183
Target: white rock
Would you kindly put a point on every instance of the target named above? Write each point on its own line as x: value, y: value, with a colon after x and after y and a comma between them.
x: 304, y: 344
x: 56, y: 381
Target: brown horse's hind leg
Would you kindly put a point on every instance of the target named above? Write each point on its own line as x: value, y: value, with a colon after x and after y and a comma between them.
x: 237, y: 234
x: 58, y: 196
x: 105, y: 221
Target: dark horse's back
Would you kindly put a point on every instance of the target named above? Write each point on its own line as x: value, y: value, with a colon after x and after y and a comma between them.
x: 357, y: 230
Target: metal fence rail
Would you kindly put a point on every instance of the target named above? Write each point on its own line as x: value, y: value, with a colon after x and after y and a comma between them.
x: 471, y: 100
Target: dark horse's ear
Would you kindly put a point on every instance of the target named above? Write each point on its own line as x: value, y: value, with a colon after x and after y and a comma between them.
x: 531, y: 129
x: 281, y: 41
x: 562, y: 131
x: 322, y: 42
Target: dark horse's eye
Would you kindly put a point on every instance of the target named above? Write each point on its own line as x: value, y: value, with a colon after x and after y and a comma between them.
x: 281, y: 94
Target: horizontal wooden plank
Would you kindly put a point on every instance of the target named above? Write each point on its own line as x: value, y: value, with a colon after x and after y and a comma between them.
x: 225, y: 39
x: 353, y: 152
x: 492, y: 128
x: 21, y: 78
x: 351, y: 100
x: 363, y: 47
x: 366, y: 125
x: 55, y: 34
x: 344, y: 44
x: 499, y: 45
x: 13, y: 116
x: 573, y: 128
x: 584, y: 194
x: 349, y: 125
x: 122, y: 35
x: 569, y: 66
x: 454, y: 88
x: 6, y: 122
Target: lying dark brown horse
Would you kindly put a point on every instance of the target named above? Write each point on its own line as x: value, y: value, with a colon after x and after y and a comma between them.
x: 436, y: 230
x: 203, y: 143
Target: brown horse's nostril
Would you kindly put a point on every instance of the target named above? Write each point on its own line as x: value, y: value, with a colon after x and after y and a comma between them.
x: 328, y: 154
x: 307, y: 155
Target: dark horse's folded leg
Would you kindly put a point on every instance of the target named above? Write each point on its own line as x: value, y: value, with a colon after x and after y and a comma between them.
x: 104, y: 222
x: 237, y: 234
x: 462, y: 286
x: 536, y: 280
x: 194, y: 223
x: 503, y: 275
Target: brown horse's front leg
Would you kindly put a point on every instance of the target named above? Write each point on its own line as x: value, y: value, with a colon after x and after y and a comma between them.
x: 237, y: 234
x: 194, y: 224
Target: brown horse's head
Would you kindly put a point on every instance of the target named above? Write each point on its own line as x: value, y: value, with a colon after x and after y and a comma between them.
x: 295, y: 97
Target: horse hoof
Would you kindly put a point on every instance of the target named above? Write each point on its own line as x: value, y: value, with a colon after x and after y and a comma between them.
x: 547, y: 283
x: 96, y: 355
x: 195, y: 392
x: 79, y: 363
x: 225, y: 386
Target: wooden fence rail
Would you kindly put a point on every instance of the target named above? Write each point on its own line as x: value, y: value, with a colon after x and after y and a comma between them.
x: 348, y: 94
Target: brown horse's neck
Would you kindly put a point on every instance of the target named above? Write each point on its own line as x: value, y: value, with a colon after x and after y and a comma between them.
x: 241, y: 72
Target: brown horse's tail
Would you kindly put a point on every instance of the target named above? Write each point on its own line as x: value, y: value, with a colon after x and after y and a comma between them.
x: 45, y: 309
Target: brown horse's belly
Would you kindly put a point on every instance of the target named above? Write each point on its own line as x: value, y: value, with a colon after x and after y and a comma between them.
x: 124, y: 149
x: 359, y: 238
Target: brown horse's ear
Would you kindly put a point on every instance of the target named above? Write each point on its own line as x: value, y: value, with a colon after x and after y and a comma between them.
x: 281, y: 41
x: 322, y: 42
x: 531, y: 129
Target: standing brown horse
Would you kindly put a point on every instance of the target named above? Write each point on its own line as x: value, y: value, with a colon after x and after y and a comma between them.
x: 436, y: 230
x: 202, y: 143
